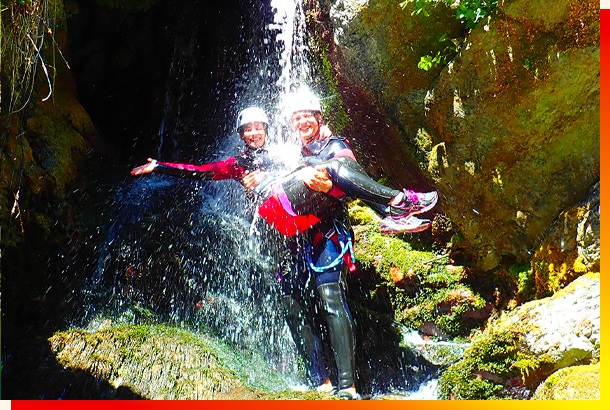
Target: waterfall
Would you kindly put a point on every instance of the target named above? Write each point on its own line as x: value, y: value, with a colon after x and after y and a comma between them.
x: 194, y: 253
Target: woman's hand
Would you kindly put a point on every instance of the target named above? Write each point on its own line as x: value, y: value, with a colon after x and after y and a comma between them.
x: 252, y: 179
x: 316, y: 179
x: 146, y: 168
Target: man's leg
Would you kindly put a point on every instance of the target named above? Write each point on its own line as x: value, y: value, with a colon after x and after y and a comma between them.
x: 329, y: 284
x: 297, y: 313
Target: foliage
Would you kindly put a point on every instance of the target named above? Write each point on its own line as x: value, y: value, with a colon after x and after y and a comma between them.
x: 492, y: 359
x: 468, y: 12
x: 25, y: 24
x: 525, y: 279
x: 443, y: 56
x: 419, y: 285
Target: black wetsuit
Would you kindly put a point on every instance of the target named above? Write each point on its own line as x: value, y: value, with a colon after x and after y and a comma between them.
x: 321, y: 259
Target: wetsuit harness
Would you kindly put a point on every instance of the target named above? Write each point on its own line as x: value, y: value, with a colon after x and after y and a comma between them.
x: 293, y: 208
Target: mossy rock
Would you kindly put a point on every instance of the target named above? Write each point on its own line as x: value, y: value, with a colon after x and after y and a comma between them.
x: 423, y: 288
x: 492, y: 363
x: 571, y: 383
x: 164, y: 362
x: 520, y: 349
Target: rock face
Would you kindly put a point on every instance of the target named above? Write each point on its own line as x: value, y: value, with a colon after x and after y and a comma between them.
x: 509, y: 131
x: 515, y: 123
x: 571, y: 248
x: 374, y: 48
x: 46, y: 146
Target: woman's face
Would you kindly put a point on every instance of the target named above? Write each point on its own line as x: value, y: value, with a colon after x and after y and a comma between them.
x: 307, y: 125
x: 254, y: 134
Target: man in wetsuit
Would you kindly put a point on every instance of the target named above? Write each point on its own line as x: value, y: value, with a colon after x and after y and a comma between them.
x: 322, y: 253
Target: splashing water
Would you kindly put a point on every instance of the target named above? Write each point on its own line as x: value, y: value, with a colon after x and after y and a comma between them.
x: 193, y: 253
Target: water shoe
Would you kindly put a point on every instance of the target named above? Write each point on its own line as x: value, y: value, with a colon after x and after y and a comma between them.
x: 409, y: 224
x: 413, y: 203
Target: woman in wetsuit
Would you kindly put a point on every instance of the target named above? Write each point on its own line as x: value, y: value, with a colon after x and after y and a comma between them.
x: 300, y: 191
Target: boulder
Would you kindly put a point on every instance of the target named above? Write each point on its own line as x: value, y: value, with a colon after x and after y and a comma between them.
x: 571, y: 383
x: 165, y: 362
x: 521, y: 349
x: 565, y: 328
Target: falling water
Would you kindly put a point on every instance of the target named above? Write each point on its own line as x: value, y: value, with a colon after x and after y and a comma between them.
x: 194, y: 253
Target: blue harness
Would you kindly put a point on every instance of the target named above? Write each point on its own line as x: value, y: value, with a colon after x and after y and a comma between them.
x: 345, y: 242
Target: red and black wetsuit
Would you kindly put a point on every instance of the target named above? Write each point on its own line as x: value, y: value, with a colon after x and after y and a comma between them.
x: 230, y: 168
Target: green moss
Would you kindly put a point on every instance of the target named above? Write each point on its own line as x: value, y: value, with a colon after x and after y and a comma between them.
x: 361, y: 214
x: 572, y: 383
x: 417, y: 282
x: 332, y: 105
x: 492, y: 359
x: 524, y: 276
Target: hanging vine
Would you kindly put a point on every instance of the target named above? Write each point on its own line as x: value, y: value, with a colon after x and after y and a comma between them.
x: 26, y: 25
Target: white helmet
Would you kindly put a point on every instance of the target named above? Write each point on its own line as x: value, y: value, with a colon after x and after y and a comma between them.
x: 303, y: 100
x: 251, y: 114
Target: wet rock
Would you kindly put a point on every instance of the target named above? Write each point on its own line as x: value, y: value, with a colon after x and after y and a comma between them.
x: 565, y: 327
x: 521, y: 349
x: 441, y: 353
x: 571, y: 248
x: 162, y: 362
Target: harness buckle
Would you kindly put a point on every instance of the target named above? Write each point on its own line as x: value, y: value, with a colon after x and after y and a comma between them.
x: 330, y: 233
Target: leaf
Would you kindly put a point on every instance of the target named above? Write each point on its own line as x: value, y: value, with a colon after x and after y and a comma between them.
x: 425, y: 63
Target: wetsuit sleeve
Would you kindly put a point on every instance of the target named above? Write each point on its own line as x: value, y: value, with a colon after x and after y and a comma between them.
x: 338, y: 148
x: 227, y: 169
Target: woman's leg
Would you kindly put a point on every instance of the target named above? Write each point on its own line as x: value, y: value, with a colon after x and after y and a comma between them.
x: 352, y: 179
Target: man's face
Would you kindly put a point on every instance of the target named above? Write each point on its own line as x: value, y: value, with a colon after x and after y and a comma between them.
x: 254, y: 134
x: 306, y: 124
